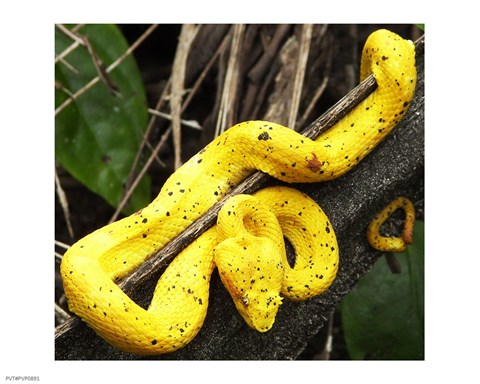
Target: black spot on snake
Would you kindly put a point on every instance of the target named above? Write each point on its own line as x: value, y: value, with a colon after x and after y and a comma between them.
x: 264, y: 136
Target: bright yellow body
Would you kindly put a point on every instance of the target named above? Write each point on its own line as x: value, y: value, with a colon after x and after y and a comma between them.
x: 91, y: 266
x: 392, y: 244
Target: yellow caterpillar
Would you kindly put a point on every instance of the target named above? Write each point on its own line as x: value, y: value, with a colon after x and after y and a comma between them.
x: 247, y: 243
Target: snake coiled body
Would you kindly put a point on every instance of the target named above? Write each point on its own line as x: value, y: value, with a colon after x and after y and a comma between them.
x: 91, y: 266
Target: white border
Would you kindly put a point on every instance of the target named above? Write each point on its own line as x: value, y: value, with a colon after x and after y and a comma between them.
x: 27, y: 161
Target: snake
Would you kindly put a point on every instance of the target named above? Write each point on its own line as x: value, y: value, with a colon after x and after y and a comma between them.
x: 392, y: 243
x: 247, y: 243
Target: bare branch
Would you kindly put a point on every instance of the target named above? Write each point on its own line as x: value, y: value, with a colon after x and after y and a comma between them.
x: 64, y: 203
x: 189, y: 31
x: 300, y: 73
x: 230, y: 83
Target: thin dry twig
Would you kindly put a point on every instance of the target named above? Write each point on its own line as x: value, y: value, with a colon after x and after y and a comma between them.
x: 100, y: 67
x: 110, y: 68
x: 157, y: 158
x: 230, y: 84
x: 61, y: 244
x: 60, y: 87
x: 64, y: 203
x: 260, y: 75
x: 60, y: 314
x: 263, y: 64
x: 58, y: 257
x: 77, y: 42
x: 316, y: 96
x: 70, y: 67
x: 71, y: 33
x: 188, y: 123
x: 319, y: 92
x: 300, y: 73
x: 327, y: 349
x: 188, y: 33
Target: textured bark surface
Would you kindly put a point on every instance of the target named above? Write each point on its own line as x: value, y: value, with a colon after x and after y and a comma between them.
x: 395, y: 168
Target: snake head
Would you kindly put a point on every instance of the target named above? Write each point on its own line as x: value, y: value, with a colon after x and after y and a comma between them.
x: 251, y: 269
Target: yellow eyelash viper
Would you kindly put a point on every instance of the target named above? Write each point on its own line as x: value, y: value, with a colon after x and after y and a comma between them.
x: 247, y: 243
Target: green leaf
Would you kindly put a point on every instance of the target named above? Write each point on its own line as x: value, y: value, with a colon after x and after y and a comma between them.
x: 384, y: 317
x: 97, y: 136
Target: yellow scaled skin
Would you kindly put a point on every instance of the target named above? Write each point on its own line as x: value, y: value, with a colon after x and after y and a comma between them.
x: 392, y: 244
x: 251, y: 256
x: 91, y: 266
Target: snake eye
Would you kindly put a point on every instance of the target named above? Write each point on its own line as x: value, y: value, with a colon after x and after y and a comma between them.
x: 245, y: 301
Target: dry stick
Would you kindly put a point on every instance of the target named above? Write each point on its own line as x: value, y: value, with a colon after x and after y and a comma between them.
x: 61, y: 57
x: 58, y: 257
x: 300, y: 73
x: 188, y: 123
x: 252, y: 184
x: 110, y: 68
x: 319, y: 92
x: 71, y: 68
x: 100, y: 67
x: 152, y: 121
x: 64, y: 203
x: 260, y: 90
x: 260, y: 71
x: 60, y: 313
x: 61, y: 244
x: 77, y: 41
x: 77, y: 27
x: 60, y: 87
x: 393, y: 263
x: 159, y: 161
x: 231, y: 102
x: 230, y: 83
x: 327, y: 349
x: 188, y: 33
x: 70, y: 33
x: 263, y: 64
x: 207, y: 68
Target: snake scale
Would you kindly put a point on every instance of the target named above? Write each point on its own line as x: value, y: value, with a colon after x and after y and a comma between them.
x: 247, y: 243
